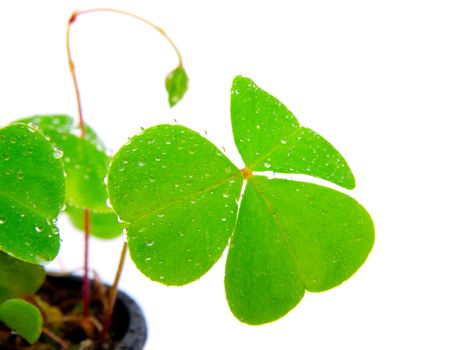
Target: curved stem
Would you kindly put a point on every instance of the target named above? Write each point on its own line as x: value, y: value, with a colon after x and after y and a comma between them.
x: 139, y: 18
x: 55, y: 338
x: 113, y: 293
x: 82, y: 125
x: 71, y: 63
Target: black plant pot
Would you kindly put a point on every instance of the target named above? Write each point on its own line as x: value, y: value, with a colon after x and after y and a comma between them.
x: 128, y: 327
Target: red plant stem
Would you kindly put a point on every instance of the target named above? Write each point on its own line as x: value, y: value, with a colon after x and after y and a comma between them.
x: 86, y: 288
x: 86, y: 284
x: 113, y: 293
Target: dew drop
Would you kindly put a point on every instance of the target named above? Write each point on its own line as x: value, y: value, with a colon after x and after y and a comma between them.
x: 283, y: 142
x: 39, y: 228
x: 20, y: 175
x: 6, y: 156
x: 107, y: 202
x: 267, y: 165
x: 225, y: 195
x: 121, y: 169
x: 58, y: 153
x: 13, y: 140
x: 150, y: 244
x: 2, y: 221
x: 148, y: 258
x: 34, y: 126
x: 160, y: 215
x: 141, y: 163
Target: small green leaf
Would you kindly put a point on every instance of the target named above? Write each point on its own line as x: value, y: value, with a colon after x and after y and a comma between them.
x: 32, y: 192
x: 18, y: 278
x: 269, y: 137
x: 22, y: 317
x: 102, y: 225
x: 178, y: 193
x: 292, y: 236
x: 84, y: 160
x: 176, y: 83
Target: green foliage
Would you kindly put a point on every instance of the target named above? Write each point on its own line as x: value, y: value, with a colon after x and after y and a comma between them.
x: 86, y: 164
x: 269, y: 137
x: 292, y: 236
x: 22, y: 317
x: 18, y: 278
x: 176, y: 83
x: 32, y: 192
x: 181, y: 209
x: 181, y: 196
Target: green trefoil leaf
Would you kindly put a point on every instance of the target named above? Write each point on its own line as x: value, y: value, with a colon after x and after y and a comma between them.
x: 182, y: 200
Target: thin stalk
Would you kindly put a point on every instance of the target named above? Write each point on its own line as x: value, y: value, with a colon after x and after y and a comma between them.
x: 76, y: 14
x: 55, y: 338
x: 113, y: 293
x: 86, y: 288
x: 86, y: 284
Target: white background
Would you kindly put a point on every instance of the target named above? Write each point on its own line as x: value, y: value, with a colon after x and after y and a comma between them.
x: 384, y: 81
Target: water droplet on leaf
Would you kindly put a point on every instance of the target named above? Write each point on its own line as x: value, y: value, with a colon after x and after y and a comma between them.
x: 58, y: 153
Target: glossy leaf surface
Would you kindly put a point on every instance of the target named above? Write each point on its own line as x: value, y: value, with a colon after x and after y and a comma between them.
x: 18, y: 278
x: 22, y: 317
x: 178, y: 193
x: 86, y: 164
x: 176, y: 189
x: 176, y: 83
x: 32, y: 192
x: 292, y: 236
x: 84, y: 160
x: 269, y: 137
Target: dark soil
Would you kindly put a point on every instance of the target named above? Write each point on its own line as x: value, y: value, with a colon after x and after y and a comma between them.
x: 60, y: 303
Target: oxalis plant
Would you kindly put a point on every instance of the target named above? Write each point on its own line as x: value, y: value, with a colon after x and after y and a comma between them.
x: 180, y: 202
